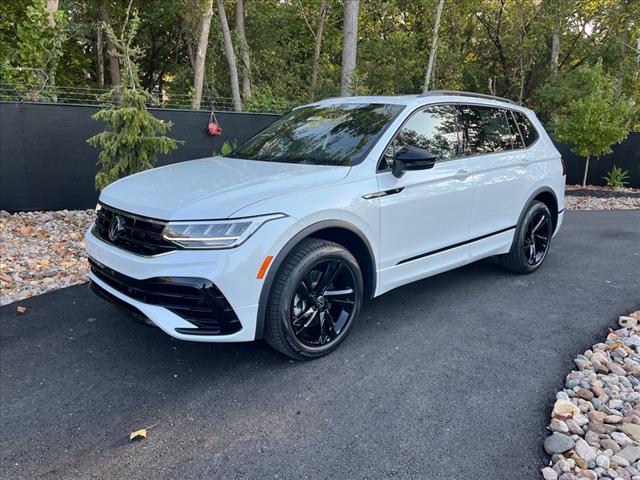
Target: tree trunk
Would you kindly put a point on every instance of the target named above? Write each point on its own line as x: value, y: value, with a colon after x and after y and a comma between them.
x: 231, y: 57
x: 586, y: 171
x: 555, y: 52
x: 243, y: 50
x: 114, y: 65
x: 555, y: 39
x: 434, y: 46
x: 636, y: 74
x: 206, y: 12
x: 349, y: 46
x: 621, y: 69
x: 52, y: 8
x: 317, y: 49
x: 99, y: 55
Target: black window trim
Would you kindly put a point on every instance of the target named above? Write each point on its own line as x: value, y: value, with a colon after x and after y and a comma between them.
x: 455, y: 104
x: 519, y: 133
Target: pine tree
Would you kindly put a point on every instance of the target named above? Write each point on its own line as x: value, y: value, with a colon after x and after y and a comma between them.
x: 133, y: 137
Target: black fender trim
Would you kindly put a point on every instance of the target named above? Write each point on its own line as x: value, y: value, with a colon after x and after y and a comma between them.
x: 284, y: 253
x: 527, y: 204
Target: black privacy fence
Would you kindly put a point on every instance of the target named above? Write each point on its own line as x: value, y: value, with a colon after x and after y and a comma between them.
x: 46, y: 163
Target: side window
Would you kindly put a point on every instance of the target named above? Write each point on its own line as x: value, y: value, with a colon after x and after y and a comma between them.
x: 513, y: 128
x: 484, y: 130
x: 529, y: 133
x: 432, y: 129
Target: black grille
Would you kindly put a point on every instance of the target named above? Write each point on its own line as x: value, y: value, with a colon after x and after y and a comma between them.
x: 197, y: 300
x: 140, y: 235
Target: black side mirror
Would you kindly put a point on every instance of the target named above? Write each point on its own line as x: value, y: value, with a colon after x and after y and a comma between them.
x: 412, y: 158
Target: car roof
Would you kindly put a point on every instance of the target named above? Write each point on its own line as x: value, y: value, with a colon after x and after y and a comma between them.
x: 431, y: 97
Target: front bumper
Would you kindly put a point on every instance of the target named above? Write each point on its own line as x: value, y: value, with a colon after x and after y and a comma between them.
x: 232, y: 272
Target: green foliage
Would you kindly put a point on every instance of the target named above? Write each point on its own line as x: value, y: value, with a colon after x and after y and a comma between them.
x: 33, y: 63
x: 617, y: 178
x: 490, y: 46
x: 226, y: 149
x: 596, y: 119
x: 133, y: 137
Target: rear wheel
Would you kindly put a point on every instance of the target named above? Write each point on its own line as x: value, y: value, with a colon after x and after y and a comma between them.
x: 531, y: 241
x: 315, y: 298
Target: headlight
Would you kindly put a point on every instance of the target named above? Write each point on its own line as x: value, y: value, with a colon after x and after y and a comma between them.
x: 215, y: 233
x: 98, y: 208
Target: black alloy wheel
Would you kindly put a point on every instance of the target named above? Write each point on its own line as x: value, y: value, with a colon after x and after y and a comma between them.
x: 323, y: 303
x: 531, y: 240
x: 536, y: 238
x: 315, y: 298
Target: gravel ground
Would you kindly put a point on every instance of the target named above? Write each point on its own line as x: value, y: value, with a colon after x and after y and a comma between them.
x: 44, y: 251
x: 595, y: 422
x: 41, y: 251
x: 601, y: 198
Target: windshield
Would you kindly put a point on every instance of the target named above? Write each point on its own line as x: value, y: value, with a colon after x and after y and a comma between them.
x: 338, y: 134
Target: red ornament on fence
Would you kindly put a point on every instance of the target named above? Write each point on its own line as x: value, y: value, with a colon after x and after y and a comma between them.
x: 214, y: 129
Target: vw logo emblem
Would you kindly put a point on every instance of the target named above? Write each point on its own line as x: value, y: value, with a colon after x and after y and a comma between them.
x: 116, y: 227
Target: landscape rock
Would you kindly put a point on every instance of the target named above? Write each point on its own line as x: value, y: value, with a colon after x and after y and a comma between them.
x: 595, y: 420
x: 558, y: 443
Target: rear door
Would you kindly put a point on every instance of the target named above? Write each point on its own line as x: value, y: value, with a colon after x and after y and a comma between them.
x: 493, y: 146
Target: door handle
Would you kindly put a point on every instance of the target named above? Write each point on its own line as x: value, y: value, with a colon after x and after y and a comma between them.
x: 462, y: 174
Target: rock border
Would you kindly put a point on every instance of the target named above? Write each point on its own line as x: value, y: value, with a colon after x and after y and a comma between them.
x: 595, y: 421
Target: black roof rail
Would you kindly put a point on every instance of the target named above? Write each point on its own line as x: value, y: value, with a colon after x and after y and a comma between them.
x: 465, y: 94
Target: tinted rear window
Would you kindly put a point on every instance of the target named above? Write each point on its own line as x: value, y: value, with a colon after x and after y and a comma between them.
x: 339, y: 134
x: 529, y: 133
x: 484, y: 130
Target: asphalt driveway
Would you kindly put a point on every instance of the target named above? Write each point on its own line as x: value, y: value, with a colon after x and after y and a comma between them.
x: 448, y: 378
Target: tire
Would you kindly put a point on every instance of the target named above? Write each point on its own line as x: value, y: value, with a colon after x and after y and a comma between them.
x: 311, y: 310
x: 520, y: 258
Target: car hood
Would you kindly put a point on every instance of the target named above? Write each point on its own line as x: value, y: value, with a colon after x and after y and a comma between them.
x: 212, y: 188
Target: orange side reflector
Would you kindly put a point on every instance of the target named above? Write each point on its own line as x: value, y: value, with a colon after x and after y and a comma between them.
x: 263, y: 267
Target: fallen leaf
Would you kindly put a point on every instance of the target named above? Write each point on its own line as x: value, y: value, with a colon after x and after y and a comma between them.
x: 21, y: 310
x: 44, y: 262
x: 24, y: 230
x: 138, y: 434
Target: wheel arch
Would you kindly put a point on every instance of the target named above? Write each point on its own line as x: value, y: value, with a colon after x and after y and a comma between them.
x: 338, y: 231
x: 547, y: 196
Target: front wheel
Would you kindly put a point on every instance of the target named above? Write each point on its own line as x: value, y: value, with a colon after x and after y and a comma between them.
x: 531, y: 241
x: 314, y: 301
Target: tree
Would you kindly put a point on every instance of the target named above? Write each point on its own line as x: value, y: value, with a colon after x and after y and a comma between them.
x: 206, y: 12
x: 114, y: 65
x: 231, y: 57
x: 349, y: 46
x: 40, y: 39
x: 596, y: 121
x: 434, y: 46
x: 133, y: 136
x: 243, y: 50
x: 555, y: 37
x: 317, y: 37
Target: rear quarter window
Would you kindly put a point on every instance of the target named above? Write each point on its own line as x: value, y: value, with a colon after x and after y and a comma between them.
x: 527, y: 130
x: 484, y: 130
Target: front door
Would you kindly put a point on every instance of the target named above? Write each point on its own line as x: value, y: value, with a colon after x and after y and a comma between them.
x: 424, y: 214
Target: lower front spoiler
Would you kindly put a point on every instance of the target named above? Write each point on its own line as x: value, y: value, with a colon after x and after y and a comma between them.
x: 171, y: 323
x: 131, y: 311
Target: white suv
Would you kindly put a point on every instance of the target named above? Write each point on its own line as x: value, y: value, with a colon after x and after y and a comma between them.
x: 333, y: 203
